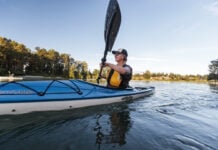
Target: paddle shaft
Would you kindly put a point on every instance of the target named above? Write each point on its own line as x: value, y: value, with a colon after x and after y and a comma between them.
x: 112, y: 24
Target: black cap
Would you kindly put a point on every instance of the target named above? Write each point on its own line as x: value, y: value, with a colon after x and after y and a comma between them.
x: 120, y: 51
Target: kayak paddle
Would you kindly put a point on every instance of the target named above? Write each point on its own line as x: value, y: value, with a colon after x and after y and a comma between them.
x: 112, y: 25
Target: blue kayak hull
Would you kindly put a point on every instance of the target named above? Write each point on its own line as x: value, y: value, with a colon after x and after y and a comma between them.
x: 28, y: 96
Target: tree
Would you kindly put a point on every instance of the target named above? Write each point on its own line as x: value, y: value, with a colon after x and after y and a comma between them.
x: 84, y: 70
x: 17, y: 59
x: 213, y: 70
x: 21, y: 57
x: 65, y: 62
x: 43, y: 64
x: 147, y: 75
x: 79, y: 70
x: 95, y: 73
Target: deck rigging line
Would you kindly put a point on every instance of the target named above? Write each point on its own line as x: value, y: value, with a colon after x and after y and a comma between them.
x: 75, y: 87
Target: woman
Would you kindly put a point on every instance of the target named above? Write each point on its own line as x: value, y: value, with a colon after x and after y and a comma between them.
x: 121, y: 73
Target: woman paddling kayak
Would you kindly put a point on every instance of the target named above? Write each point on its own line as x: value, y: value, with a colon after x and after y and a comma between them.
x: 121, y: 73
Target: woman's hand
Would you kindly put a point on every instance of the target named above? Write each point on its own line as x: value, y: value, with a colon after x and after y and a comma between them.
x: 104, y: 65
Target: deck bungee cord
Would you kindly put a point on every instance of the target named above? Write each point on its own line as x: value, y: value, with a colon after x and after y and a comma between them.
x: 75, y: 89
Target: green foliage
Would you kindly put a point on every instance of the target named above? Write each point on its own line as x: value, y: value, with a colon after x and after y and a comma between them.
x: 213, y: 70
x: 16, y: 59
x: 95, y: 73
x: 147, y: 75
x: 79, y: 70
x: 12, y: 56
x: 168, y: 77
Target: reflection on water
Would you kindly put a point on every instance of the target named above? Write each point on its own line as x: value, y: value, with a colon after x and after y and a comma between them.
x: 214, y: 88
x: 120, y: 123
x: 178, y: 116
x: 109, y: 124
x: 99, y: 134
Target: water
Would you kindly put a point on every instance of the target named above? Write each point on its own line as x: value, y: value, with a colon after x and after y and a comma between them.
x: 179, y: 116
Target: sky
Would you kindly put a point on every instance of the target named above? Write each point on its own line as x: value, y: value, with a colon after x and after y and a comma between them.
x: 170, y: 36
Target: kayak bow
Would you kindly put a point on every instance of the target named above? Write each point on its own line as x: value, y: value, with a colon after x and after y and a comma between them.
x: 29, y: 96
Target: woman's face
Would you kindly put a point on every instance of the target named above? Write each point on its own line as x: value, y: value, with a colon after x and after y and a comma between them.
x: 119, y: 57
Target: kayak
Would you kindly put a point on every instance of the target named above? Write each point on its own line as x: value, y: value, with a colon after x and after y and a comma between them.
x: 20, y: 97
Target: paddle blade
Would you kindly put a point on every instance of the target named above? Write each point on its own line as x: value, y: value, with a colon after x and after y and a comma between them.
x: 112, y: 24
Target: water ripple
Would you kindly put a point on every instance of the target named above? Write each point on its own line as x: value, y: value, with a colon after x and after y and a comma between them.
x: 179, y: 116
x: 193, y: 143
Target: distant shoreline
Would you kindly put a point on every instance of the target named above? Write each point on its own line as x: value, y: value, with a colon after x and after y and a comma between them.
x: 19, y: 78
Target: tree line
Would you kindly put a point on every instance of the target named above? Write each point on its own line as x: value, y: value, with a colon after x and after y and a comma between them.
x: 147, y: 75
x: 17, y: 59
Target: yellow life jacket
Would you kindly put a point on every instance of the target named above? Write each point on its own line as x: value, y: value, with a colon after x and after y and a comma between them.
x: 116, y: 80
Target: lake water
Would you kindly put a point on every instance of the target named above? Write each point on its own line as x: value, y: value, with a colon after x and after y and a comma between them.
x: 179, y: 116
